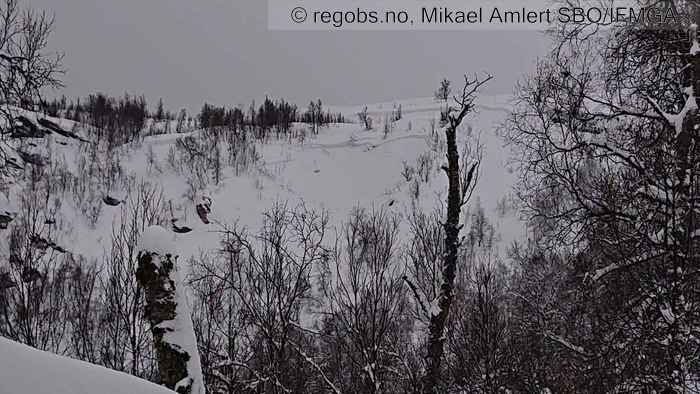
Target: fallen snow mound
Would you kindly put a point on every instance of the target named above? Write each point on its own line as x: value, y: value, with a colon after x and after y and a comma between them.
x: 25, y: 370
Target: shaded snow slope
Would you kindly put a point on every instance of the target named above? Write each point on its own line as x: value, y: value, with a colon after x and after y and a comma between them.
x: 25, y: 370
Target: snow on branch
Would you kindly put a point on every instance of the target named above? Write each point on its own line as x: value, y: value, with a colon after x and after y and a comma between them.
x: 568, y: 345
x: 602, y: 272
x: 318, y: 369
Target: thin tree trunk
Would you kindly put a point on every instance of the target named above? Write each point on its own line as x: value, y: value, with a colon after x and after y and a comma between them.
x: 452, y: 228
x: 456, y: 198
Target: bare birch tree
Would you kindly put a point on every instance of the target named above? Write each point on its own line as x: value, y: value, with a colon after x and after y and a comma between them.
x: 25, y: 66
x: 461, y: 183
x: 364, y: 304
x: 609, y: 125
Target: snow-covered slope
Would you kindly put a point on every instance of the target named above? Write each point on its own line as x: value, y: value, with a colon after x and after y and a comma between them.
x: 25, y: 370
x: 343, y: 167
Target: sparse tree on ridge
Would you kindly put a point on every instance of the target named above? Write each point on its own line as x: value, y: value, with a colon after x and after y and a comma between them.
x: 444, y: 91
x: 181, y: 118
x: 365, y: 118
x: 160, y: 111
x: 443, y: 95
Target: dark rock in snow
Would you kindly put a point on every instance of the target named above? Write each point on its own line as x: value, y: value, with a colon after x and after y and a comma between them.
x: 180, y: 230
x: 59, y: 130
x: 111, y: 201
x: 204, y: 209
x: 20, y: 131
x: 5, y: 220
x: 25, y: 128
x: 12, y: 162
x: 51, y: 126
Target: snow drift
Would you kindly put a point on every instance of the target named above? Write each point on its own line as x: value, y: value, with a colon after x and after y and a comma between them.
x: 25, y: 370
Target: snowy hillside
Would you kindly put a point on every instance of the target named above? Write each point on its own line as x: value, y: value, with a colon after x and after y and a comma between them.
x: 29, y: 371
x: 77, y: 216
x: 343, y: 167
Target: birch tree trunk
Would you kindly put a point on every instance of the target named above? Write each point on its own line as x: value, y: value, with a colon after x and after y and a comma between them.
x: 459, y: 185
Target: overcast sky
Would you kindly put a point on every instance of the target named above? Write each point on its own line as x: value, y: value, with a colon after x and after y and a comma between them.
x: 220, y: 51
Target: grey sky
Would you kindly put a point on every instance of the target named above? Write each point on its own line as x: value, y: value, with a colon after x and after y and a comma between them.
x: 191, y: 51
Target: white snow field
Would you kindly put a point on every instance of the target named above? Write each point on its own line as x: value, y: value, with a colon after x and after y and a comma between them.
x: 25, y: 370
x: 341, y: 168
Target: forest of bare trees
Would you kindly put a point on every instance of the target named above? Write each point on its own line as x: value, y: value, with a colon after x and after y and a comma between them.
x: 606, y: 132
